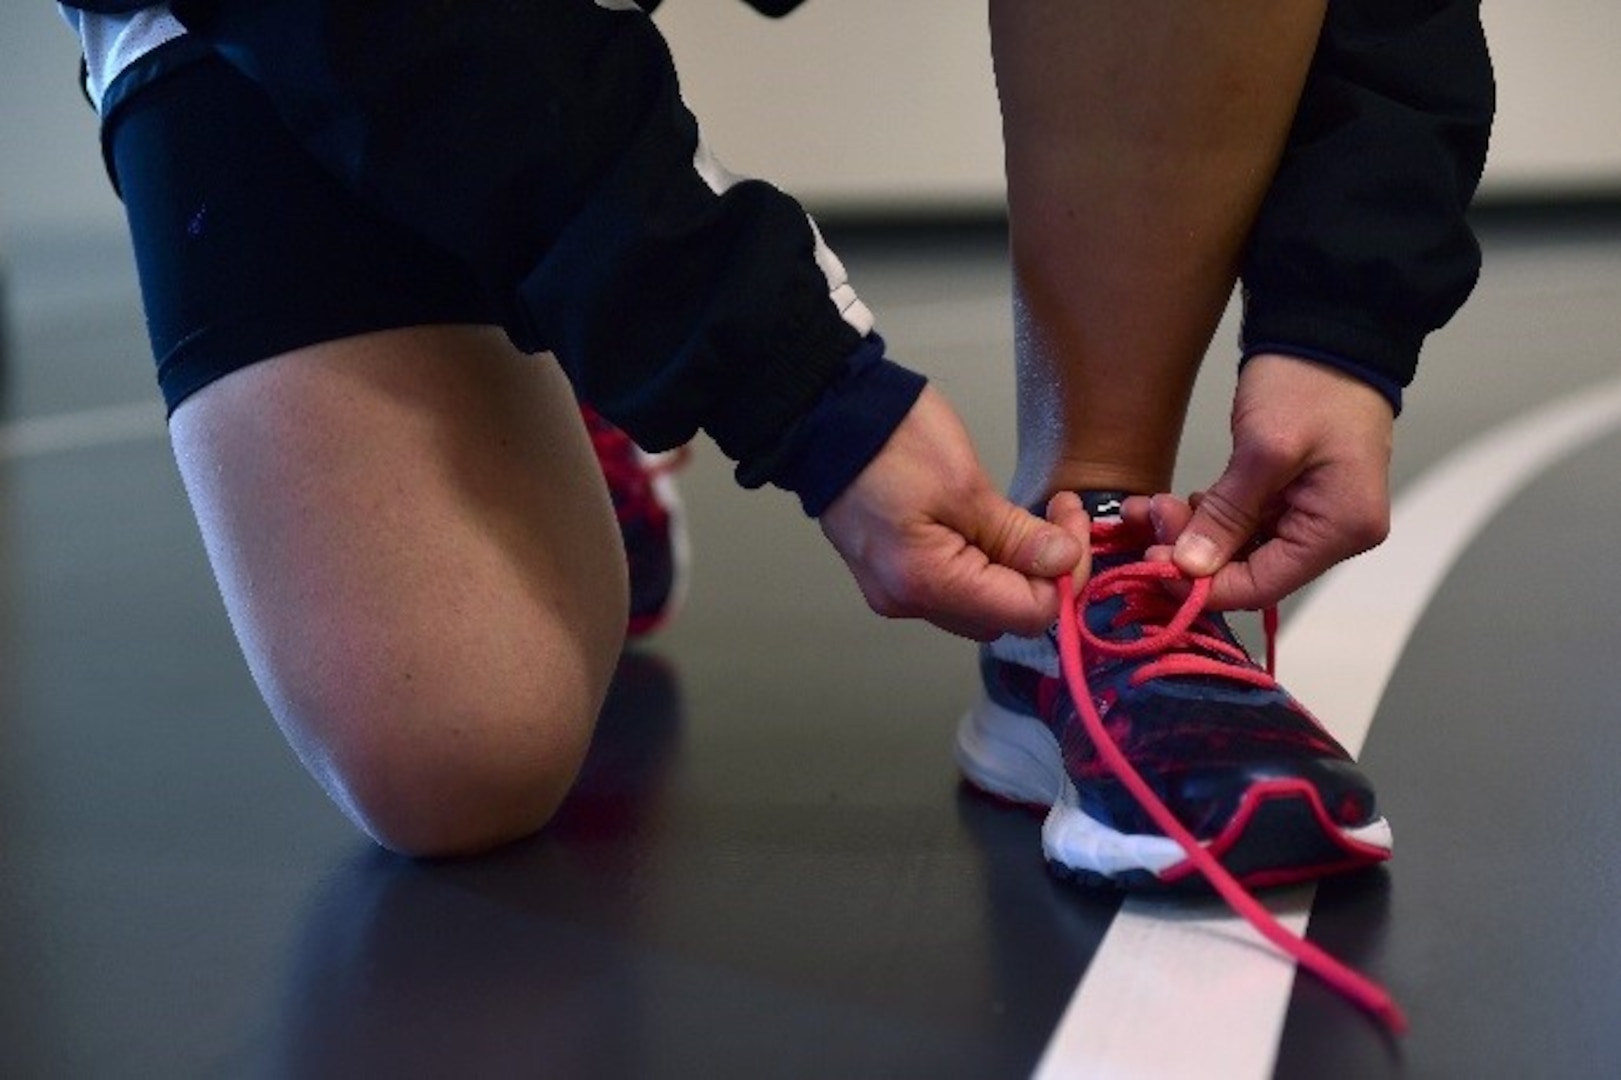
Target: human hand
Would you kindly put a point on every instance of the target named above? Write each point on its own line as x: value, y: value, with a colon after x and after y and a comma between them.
x: 1307, y: 486
x: 927, y: 535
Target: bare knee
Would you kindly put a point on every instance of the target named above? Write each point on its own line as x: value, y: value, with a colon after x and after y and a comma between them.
x: 444, y: 774
x: 445, y: 808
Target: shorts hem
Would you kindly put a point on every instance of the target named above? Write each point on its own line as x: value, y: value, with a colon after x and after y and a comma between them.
x: 172, y: 56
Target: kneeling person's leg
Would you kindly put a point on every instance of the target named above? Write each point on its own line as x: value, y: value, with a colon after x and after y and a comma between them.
x: 422, y: 568
x: 403, y: 512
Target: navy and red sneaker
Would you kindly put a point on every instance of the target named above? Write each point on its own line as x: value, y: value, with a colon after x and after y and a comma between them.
x: 651, y: 520
x: 1259, y: 783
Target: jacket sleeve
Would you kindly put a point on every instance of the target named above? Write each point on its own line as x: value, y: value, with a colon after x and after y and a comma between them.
x: 547, y: 145
x: 1362, y: 246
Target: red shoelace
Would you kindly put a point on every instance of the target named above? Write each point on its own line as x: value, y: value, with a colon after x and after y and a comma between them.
x: 1186, y: 652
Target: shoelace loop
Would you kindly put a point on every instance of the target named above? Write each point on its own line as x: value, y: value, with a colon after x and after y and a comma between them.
x: 1072, y: 638
x: 1171, y: 629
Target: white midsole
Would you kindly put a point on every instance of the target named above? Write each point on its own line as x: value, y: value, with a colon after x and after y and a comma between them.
x: 1014, y: 756
x: 1010, y: 755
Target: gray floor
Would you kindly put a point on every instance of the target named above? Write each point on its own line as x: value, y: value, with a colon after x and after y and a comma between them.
x: 770, y: 868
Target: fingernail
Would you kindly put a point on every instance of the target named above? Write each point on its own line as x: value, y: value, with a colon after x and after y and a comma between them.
x: 1053, y: 555
x: 1197, y: 553
x: 1044, y: 556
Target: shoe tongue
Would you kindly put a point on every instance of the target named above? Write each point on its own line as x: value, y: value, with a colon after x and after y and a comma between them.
x: 1103, y: 505
x: 1112, y: 545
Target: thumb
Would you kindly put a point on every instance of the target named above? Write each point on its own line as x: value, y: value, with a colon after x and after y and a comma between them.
x: 1031, y: 545
x: 1226, y: 517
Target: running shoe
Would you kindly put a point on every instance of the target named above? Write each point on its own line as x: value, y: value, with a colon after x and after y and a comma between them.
x: 1259, y: 783
x: 651, y: 520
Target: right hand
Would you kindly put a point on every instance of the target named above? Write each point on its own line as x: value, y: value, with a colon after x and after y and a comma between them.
x: 926, y: 535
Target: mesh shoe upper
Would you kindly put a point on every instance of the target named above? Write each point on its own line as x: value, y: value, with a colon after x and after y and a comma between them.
x: 1197, y: 717
x: 1168, y: 757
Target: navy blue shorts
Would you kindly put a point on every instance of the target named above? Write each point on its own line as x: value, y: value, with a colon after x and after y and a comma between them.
x: 245, y: 248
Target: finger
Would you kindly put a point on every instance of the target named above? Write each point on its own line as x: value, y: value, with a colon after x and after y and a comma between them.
x: 1159, y: 516
x: 1167, y: 517
x: 975, y: 599
x: 1019, y: 540
x: 1004, y: 602
x: 1066, y: 511
x: 1170, y: 517
x: 1301, y: 549
x: 1226, y: 516
x: 1270, y: 573
x: 1135, y: 516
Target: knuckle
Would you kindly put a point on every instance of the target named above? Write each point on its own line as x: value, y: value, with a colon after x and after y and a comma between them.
x: 1226, y: 513
x: 1009, y: 533
x: 1370, y: 528
x: 1273, y: 450
x: 875, y: 590
x: 906, y: 591
x: 882, y: 603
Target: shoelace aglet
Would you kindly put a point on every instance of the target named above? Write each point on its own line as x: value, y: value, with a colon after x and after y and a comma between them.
x: 1359, y: 989
x: 1388, y: 1013
x: 1362, y: 991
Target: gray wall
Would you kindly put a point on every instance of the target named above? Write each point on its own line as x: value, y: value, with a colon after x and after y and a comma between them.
x: 51, y: 177
x: 855, y: 104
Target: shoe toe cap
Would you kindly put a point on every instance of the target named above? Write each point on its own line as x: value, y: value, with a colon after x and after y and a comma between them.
x: 1207, y: 799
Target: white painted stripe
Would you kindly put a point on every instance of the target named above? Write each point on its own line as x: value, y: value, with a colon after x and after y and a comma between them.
x: 60, y: 432
x: 1192, y: 991
x: 1376, y: 600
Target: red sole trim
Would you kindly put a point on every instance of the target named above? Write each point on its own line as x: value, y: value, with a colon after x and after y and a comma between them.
x: 1275, y: 818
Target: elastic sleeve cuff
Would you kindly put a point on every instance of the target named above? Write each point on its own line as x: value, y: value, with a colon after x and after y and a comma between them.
x: 848, y: 425
x: 1386, y: 351
x: 1384, y: 384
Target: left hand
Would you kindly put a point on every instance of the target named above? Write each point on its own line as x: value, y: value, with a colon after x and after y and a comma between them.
x: 1307, y: 486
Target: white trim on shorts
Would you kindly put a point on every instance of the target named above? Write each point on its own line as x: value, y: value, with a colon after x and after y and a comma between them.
x: 111, y: 43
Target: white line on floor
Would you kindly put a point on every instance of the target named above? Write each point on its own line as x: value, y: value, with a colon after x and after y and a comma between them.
x: 37, y: 435
x: 1176, y: 991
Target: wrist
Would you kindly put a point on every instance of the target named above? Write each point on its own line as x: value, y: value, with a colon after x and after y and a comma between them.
x: 1374, y: 379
